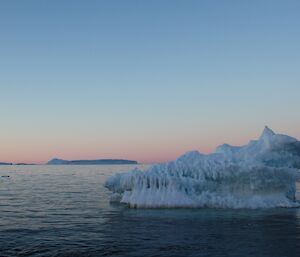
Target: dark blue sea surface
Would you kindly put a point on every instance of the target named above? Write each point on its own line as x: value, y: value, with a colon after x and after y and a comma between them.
x: 65, y: 211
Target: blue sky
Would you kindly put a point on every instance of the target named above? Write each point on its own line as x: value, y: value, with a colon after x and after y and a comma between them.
x: 145, y: 80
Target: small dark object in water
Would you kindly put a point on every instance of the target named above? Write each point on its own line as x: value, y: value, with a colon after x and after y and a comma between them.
x: 5, y: 176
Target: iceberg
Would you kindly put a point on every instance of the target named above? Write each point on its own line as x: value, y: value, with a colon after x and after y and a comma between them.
x: 261, y: 174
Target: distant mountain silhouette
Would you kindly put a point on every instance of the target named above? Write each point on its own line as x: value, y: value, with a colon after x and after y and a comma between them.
x: 57, y: 161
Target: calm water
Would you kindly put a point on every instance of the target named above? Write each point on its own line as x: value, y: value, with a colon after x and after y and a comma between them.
x: 65, y: 211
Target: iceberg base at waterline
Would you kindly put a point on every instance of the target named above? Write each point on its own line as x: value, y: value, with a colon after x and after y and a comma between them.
x: 261, y: 174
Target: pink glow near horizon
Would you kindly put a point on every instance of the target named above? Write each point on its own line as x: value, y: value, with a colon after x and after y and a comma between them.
x: 151, y: 154
x: 143, y: 152
x: 147, y: 155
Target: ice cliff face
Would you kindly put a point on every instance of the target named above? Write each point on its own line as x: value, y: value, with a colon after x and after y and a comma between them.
x: 261, y: 174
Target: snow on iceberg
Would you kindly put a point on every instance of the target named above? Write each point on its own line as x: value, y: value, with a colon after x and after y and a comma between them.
x: 261, y: 174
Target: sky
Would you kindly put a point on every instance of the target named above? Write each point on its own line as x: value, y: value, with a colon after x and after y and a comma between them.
x: 144, y: 80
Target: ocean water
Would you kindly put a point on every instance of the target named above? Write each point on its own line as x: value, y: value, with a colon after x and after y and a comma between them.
x: 65, y: 211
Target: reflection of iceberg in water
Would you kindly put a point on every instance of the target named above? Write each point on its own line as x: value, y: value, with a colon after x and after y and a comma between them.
x: 262, y: 174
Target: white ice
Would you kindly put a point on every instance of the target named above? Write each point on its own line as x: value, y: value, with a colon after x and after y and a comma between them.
x: 261, y: 174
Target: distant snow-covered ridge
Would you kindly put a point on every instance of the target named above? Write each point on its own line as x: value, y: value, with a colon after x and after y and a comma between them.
x: 261, y: 174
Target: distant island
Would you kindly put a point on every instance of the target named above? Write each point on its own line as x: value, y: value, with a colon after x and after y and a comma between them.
x: 19, y: 163
x: 6, y: 163
x: 22, y: 163
x: 57, y: 161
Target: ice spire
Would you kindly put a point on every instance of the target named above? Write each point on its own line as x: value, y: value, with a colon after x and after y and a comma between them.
x: 266, y: 136
x: 267, y: 133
